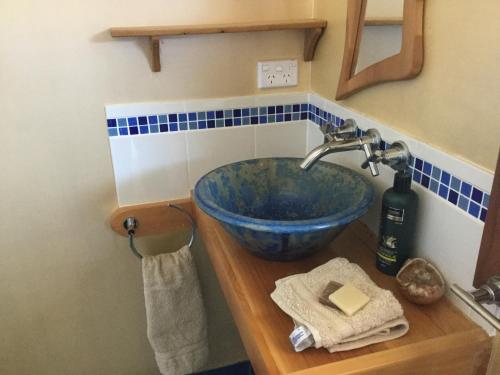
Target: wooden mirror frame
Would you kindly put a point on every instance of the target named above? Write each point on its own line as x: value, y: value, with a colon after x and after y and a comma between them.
x: 405, y: 65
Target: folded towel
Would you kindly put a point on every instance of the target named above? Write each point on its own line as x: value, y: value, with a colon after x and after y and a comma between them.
x: 380, y: 320
x: 177, y: 329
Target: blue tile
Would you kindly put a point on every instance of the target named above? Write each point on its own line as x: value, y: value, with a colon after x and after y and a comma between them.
x: 123, y: 131
x: 219, y: 114
x: 237, y: 112
x: 192, y: 116
x: 453, y: 197
x: 172, y: 117
x: 153, y: 120
x: 271, y: 110
x: 228, y: 113
x: 279, y: 109
x: 183, y: 126
x: 245, y: 120
x: 210, y: 115
x: 303, y: 107
x: 296, y: 108
x: 245, y: 112
x: 455, y: 183
x: 474, y: 209
x: 254, y: 120
x: 436, y: 172
x: 228, y: 122
x: 417, y: 176
x: 202, y: 124
x: 193, y: 125
x: 122, y: 122
x: 288, y: 108
x: 133, y: 130
x: 279, y: 118
x: 296, y: 116
x: 427, y: 168
x: 219, y: 123
x: 153, y: 129
x: 173, y: 127
x: 254, y: 111
x: 316, y: 111
x: 338, y: 121
x: 163, y: 128
x: 382, y: 145
x: 483, y: 214
x: 182, y: 117
x: 162, y: 119
x: 112, y: 132
x: 132, y: 121
x: 271, y: 118
x: 211, y: 124
x: 202, y: 116
x: 477, y: 195
x: 303, y: 115
x: 263, y: 111
x: 466, y: 189
x: 445, y: 178
x: 288, y: 117
x: 262, y: 119
x: 443, y: 191
x: 144, y: 129
x: 237, y: 121
x: 143, y: 120
x: 463, y: 203
x: 425, y: 181
x: 419, y: 164
x: 111, y: 123
x: 486, y: 200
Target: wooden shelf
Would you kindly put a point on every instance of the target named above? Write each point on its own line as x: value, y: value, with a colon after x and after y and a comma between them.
x: 313, y: 31
x: 441, y: 339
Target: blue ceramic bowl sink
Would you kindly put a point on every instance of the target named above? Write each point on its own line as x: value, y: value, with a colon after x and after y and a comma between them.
x: 279, y: 211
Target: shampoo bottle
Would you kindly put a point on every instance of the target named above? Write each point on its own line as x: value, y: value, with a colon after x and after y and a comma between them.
x: 397, y: 225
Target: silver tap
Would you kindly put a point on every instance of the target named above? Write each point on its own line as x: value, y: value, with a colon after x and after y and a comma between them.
x: 397, y: 156
x: 343, y: 139
x: 332, y: 133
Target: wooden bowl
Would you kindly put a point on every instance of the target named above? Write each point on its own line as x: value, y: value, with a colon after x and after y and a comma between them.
x: 420, y: 282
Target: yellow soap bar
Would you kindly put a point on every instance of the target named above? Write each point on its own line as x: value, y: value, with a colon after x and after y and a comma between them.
x: 349, y: 299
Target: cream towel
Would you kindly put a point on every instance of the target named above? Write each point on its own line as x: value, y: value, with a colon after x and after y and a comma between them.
x: 380, y: 320
x: 177, y: 328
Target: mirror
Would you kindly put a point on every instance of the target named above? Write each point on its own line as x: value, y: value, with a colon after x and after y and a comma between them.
x: 384, y: 42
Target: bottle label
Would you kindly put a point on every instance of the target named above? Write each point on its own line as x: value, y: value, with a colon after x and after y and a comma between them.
x: 394, y: 214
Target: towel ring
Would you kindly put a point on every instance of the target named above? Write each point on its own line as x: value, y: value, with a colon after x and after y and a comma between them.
x: 131, y: 224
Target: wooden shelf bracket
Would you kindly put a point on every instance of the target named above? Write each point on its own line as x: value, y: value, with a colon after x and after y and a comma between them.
x: 313, y: 30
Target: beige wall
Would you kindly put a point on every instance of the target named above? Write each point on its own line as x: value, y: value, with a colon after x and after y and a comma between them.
x: 453, y: 104
x: 70, y: 291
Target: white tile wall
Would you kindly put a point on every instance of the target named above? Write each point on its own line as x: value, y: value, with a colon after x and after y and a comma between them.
x: 150, y: 169
x: 287, y: 139
x: 212, y: 148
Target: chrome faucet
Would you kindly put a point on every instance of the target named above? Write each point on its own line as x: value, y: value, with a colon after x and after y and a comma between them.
x: 342, y: 139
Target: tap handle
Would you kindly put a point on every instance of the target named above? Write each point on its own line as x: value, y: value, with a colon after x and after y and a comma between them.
x: 348, y: 129
x: 372, y: 158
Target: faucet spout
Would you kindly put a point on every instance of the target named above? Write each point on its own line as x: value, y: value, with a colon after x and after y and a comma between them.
x: 329, y: 148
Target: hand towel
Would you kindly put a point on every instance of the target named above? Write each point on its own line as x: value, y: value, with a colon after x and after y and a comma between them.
x: 380, y: 320
x: 176, y: 321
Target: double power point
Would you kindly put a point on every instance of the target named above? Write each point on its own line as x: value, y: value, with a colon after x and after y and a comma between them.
x: 279, y: 73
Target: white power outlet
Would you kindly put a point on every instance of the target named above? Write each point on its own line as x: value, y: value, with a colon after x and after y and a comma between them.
x: 279, y: 73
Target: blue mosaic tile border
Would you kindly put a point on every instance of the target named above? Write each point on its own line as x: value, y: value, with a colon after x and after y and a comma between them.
x: 223, y: 118
x: 459, y: 193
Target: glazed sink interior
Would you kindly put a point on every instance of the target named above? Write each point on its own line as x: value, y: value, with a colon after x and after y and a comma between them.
x: 279, y: 211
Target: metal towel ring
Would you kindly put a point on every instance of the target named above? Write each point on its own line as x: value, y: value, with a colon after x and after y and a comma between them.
x: 131, y: 224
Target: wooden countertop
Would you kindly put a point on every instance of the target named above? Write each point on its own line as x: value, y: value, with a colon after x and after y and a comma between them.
x: 441, y: 339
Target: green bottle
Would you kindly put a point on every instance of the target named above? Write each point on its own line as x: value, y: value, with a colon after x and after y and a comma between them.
x: 397, y: 225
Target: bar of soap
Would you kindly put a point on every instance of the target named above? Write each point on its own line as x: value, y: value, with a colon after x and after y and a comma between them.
x: 349, y: 299
x: 331, y: 287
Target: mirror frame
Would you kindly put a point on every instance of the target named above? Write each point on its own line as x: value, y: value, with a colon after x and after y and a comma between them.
x: 405, y: 65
